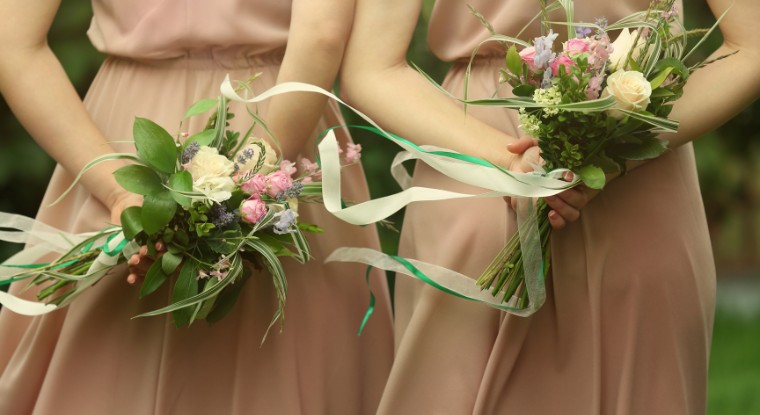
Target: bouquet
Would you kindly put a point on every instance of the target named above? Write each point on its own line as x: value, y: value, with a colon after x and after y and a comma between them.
x: 221, y: 202
x: 592, y: 104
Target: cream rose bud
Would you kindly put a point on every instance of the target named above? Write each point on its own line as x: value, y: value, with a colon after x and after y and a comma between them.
x: 209, y: 163
x: 622, y: 45
x: 631, y: 91
x: 217, y: 189
x: 248, y: 156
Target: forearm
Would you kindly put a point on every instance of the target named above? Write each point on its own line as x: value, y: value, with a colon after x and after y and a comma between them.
x: 376, y: 78
x: 41, y: 96
x: 318, y: 34
x: 715, y: 94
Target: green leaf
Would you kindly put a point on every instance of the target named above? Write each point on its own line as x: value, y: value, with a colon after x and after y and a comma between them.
x: 201, y: 106
x: 524, y: 90
x: 153, y: 279
x: 592, y: 176
x: 170, y: 262
x: 227, y: 298
x: 131, y: 222
x: 203, y: 138
x: 205, y: 307
x: 225, y: 242
x: 660, y: 78
x: 607, y: 164
x: 648, y: 148
x: 514, y: 63
x: 185, y: 287
x: 183, y: 182
x: 138, y: 179
x: 308, y: 227
x: 662, y: 92
x: 675, y: 65
x: 158, y: 210
x: 154, y: 145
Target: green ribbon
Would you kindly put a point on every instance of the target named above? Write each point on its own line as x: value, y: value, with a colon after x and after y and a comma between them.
x: 371, y: 307
x: 87, y: 248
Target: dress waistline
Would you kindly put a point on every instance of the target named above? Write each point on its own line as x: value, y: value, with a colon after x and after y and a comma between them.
x: 209, y: 59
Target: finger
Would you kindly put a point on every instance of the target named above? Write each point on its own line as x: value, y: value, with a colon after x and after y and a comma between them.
x: 575, y: 197
x: 143, y: 250
x: 559, y: 206
x: 556, y: 221
x: 160, y: 246
x: 132, y: 279
x: 134, y: 260
x: 520, y: 145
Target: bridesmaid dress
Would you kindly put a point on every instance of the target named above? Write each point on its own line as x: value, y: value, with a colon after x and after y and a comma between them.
x: 628, y: 317
x: 93, y: 358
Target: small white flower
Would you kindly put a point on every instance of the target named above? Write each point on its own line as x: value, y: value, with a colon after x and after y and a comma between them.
x: 622, y: 46
x: 209, y: 163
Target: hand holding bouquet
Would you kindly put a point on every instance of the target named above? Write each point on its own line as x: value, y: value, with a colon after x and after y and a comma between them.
x: 221, y: 202
x: 592, y: 104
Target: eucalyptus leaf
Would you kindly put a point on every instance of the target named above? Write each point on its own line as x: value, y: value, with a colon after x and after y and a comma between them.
x: 185, y: 287
x: 170, y: 262
x: 524, y: 90
x: 158, y: 210
x: 138, y: 179
x: 201, y: 106
x: 154, y: 145
x: 648, y: 148
x: 592, y: 176
x: 203, y: 138
x: 514, y: 63
x: 227, y: 298
x: 131, y: 222
x: 154, y: 278
x: 181, y: 182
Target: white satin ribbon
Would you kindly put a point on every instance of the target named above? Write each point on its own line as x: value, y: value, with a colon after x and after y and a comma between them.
x: 500, y: 184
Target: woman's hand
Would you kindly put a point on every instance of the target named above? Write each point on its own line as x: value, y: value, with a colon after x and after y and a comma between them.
x: 565, y: 206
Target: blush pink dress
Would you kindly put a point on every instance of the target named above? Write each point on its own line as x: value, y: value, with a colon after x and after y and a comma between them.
x: 93, y: 358
x: 628, y: 317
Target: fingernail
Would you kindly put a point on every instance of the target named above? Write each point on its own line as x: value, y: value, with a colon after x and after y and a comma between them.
x: 159, y: 246
x: 143, y: 250
x: 131, y: 279
x: 134, y: 259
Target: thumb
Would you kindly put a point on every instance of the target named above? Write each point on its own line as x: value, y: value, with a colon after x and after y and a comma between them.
x: 521, y: 144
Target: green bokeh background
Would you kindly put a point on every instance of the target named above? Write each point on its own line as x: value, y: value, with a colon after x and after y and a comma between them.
x: 728, y: 161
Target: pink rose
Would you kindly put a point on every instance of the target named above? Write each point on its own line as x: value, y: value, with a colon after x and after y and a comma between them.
x: 576, y: 46
x: 288, y: 167
x: 527, y: 55
x: 353, y: 153
x: 278, y: 182
x: 564, y: 61
x: 253, y: 209
x: 256, y: 185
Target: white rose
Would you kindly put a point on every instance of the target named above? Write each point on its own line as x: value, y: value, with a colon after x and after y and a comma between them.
x: 631, y: 91
x: 622, y: 45
x: 209, y: 163
x: 217, y: 189
x: 251, y: 152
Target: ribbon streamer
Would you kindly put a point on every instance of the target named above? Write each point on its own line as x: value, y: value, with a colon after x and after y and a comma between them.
x: 463, y: 168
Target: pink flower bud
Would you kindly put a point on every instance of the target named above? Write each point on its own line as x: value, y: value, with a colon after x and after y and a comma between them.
x: 353, y: 153
x: 564, y: 61
x: 253, y: 209
x: 256, y: 185
x: 288, y: 167
x: 576, y: 46
x: 527, y: 55
x: 278, y: 182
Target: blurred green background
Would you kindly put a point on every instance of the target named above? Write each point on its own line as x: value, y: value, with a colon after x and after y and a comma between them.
x: 729, y: 167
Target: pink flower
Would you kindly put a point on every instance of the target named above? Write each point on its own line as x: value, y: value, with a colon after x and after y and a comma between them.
x: 576, y: 46
x: 599, y: 52
x: 253, y: 209
x: 594, y: 87
x: 353, y: 153
x: 564, y: 61
x: 288, y: 167
x: 278, y: 182
x: 256, y: 185
x: 527, y: 55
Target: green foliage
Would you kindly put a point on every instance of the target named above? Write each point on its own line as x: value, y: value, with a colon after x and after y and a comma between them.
x: 185, y: 287
x: 154, y: 145
x: 158, y: 210
x: 131, y: 221
x: 139, y: 179
x: 182, y: 182
x: 153, y: 279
